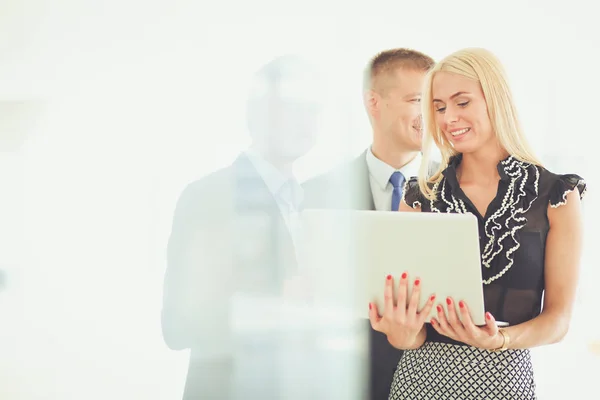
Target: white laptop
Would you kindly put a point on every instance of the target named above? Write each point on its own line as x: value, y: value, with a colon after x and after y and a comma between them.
x: 347, y: 255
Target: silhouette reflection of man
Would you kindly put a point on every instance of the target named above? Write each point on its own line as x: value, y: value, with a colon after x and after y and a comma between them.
x: 231, y: 247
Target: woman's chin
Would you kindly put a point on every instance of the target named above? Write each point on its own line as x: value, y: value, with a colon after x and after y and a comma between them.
x: 463, y: 147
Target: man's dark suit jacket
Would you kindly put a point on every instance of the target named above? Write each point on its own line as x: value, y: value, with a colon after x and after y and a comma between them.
x: 349, y: 187
x: 228, y: 237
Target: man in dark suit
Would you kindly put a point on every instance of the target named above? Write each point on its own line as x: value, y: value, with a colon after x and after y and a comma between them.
x: 231, y: 251
x: 392, y: 90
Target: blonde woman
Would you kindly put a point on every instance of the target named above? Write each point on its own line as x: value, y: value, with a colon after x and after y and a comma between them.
x: 530, y: 230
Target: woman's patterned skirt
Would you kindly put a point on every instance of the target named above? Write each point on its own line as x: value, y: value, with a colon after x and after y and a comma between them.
x: 453, y: 372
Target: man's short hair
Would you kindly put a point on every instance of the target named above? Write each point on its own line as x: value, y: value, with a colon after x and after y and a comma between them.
x: 389, y: 60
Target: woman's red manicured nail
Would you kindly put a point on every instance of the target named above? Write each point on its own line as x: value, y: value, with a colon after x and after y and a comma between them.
x: 448, y: 301
x: 389, y: 277
x: 461, y: 304
x: 404, y: 275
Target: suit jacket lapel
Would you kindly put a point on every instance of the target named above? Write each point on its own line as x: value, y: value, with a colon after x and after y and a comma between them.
x: 363, y: 193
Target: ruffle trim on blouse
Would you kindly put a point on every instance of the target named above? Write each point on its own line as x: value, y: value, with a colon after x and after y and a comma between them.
x: 564, y: 185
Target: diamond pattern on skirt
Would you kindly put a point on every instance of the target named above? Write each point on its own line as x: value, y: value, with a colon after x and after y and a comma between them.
x: 452, y: 372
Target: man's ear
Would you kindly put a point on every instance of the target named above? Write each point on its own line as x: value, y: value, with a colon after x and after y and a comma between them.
x: 371, y: 101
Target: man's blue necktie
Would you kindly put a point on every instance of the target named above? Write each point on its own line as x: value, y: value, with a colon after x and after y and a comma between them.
x: 397, y: 181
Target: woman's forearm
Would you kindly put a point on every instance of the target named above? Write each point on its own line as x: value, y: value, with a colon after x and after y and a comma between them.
x: 547, y: 328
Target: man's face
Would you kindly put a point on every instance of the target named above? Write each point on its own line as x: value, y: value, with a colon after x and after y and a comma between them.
x: 294, y: 123
x: 286, y: 116
x: 397, y: 112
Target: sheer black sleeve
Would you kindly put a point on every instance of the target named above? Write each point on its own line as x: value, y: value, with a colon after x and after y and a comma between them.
x: 564, y: 185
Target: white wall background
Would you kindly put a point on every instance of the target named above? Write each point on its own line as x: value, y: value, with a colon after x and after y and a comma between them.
x: 141, y: 97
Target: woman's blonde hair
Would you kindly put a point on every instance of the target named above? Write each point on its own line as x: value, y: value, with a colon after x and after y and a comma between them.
x: 483, y: 67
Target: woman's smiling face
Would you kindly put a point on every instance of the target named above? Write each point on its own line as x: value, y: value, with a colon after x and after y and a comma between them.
x: 461, y: 112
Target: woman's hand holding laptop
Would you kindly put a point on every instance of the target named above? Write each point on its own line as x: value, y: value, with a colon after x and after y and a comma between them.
x: 486, y: 337
x: 402, y: 322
